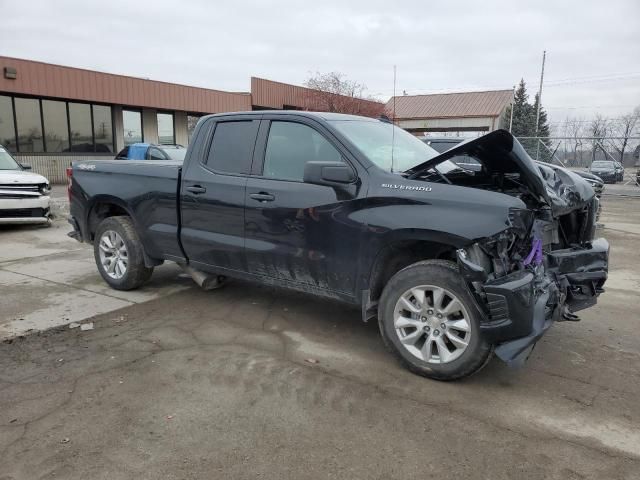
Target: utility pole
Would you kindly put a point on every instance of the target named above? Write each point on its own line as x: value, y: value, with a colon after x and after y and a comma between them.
x: 544, y: 56
x: 513, y: 104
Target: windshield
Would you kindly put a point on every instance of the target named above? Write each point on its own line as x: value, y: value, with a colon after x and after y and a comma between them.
x: 602, y: 164
x: 374, y: 140
x: 176, y: 153
x: 7, y: 162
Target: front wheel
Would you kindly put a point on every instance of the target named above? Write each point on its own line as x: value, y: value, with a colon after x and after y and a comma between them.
x: 118, y: 253
x: 429, y: 320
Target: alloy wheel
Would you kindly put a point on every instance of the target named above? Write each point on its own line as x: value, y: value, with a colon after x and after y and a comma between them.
x: 114, y: 256
x: 432, y: 324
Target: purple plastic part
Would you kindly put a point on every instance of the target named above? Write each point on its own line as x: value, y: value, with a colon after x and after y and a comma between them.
x: 535, y: 255
x: 538, y: 257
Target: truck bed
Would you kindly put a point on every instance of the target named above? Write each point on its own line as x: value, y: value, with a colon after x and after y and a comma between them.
x: 146, y: 189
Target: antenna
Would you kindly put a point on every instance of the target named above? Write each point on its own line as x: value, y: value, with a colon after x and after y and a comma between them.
x: 393, y: 126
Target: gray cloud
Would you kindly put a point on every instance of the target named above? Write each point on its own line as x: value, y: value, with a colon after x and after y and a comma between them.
x: 444, y: 46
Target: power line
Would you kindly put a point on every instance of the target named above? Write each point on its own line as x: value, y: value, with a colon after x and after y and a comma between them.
x: 548, y: 83
x: 596, y: 76
x: 582, y: 82
x: 603, y: 78
x: 577, y: 107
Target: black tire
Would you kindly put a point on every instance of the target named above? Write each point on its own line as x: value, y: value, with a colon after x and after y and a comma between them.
x: 444, y: 274
x: 136, y: 272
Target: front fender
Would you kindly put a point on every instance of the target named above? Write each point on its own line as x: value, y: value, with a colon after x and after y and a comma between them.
x: 447, y: 215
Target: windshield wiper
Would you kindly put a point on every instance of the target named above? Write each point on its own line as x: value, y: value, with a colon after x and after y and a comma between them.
x: 412, y: 175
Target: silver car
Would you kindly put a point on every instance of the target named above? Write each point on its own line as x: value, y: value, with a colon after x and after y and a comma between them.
x: 24, y: 195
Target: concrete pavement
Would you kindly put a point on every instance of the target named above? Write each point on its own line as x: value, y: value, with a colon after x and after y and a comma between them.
x: 253, y: 382
x: 48, y: 279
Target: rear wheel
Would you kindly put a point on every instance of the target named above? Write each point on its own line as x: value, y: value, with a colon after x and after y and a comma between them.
x: 118, y: 253
x: 429, y: 320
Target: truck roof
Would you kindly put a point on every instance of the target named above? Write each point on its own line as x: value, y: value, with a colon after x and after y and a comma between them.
x: 300, y: 113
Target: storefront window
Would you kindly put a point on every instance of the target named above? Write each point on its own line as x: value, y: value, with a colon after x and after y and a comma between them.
x: 56, y: 129
x: 7, y: 127
x: 29, y: 125
x: 80, y: 123
x: 132, y: 122
x: 192, y: 121
x: 166, y: 134
x: 103, y: 128
x: 68, y: 126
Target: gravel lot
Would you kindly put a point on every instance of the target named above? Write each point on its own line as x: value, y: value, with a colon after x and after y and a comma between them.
x: 246, y: 382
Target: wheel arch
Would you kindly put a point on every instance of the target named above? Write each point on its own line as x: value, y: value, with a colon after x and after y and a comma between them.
x: 402, y: 249
x: 104, y: 206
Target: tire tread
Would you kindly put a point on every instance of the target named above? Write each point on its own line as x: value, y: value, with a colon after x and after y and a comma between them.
x: 473, y: 364
x: 137, y: 272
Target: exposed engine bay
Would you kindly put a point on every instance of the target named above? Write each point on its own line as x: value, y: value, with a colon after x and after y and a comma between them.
x: 546, y: 264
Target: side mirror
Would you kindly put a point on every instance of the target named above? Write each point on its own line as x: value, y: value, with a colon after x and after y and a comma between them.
x: 25, y: 166
x: 331, y: 174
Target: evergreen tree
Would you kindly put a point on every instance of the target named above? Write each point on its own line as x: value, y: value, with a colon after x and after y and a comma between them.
x: 524, y: 123
x: 523, y: 116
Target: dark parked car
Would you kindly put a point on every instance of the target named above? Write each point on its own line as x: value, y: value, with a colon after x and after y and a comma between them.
x: 595, y: 181
x: 619, y: 171
x: 605, y: 169
x: 442, y: 144
x: 149, y: 151
x: 453, y: 264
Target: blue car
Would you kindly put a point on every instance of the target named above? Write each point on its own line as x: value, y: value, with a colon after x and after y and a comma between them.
x: 150, y: 151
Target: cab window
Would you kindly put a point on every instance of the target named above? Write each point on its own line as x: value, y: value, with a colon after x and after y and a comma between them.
x: 290, y: 146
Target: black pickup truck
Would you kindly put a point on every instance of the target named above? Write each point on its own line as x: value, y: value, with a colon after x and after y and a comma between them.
x: 454, y: 264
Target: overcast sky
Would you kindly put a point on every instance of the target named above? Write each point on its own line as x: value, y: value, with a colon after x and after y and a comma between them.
x: 593, y: 47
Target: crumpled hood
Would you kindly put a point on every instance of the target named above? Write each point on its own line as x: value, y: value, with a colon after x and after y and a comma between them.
x: 500, y: 152
x: 566, y: 190
x: 19, y: 177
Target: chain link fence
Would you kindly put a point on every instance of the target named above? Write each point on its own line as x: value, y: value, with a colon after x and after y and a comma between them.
x: 578, y: 153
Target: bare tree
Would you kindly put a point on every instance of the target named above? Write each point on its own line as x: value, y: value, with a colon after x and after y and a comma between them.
x: 624, y: 128
x: 598, y: 130
x: 574, y: 129
x: 333, y: 92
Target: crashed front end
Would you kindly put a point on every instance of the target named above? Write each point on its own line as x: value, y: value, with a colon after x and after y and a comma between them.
x: 546, y: 264
x: 528, y: 277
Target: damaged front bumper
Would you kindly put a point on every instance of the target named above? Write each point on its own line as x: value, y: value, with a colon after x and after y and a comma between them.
x: 521, y: 306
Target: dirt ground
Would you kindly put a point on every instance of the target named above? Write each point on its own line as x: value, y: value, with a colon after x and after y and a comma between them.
x: 253, y: 382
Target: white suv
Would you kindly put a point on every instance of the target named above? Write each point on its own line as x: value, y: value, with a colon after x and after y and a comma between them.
x: 24, y: 195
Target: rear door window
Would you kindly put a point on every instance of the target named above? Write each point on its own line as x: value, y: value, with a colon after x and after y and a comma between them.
x: 232, y: 146
x: 156, y: 154
x: 124, y: 153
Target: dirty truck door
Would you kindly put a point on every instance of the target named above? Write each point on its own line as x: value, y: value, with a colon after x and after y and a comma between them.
x: 295, y: 231
x: 212, y: 194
